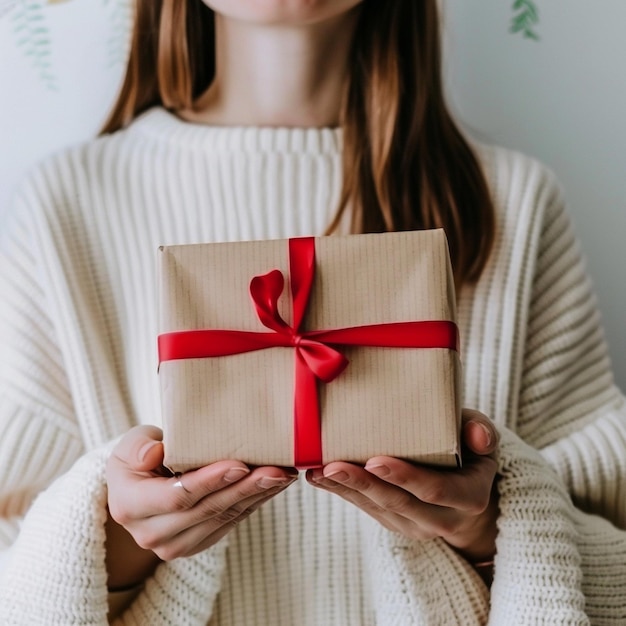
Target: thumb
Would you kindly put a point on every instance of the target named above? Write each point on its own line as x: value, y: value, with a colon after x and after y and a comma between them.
x: 479, y: 432
x: 141, y: 449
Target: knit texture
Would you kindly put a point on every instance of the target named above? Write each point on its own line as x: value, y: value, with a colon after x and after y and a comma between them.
x: 78, y: 327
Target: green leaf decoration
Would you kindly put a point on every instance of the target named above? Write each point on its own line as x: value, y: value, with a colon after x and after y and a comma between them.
x: 526, y: 18
x: 33, y: 37
x: 120, y: 19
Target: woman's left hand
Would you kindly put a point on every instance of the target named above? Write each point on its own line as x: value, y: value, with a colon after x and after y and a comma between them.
x: 460, y: 506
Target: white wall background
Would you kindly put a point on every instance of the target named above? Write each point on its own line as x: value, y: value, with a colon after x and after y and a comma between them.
x: 562, y: 99
x: 61, y: 62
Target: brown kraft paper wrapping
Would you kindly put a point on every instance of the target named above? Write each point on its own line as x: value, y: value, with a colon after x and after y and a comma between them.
x: 402, y: 402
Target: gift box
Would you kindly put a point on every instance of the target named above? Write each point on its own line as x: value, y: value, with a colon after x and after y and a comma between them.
x: 304, y: 351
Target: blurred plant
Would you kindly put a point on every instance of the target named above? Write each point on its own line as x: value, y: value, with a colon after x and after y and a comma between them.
x: 526, y: 18
x: 120, y: 20
x: 33, y: 37
x: 33, y: 34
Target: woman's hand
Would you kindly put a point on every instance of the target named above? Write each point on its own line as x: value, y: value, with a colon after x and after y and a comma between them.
x: 164, y: 516
x: 420, y: 502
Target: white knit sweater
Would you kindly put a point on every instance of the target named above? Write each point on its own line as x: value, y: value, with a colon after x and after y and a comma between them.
x: 78, y: 368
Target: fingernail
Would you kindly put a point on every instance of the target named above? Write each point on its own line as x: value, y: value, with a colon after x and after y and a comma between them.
x: 486, y: 431
x: 378, y: 469
x: 338, y: 477
x: 235, y: 473
x: 267, y: 482
x: 145, y: 449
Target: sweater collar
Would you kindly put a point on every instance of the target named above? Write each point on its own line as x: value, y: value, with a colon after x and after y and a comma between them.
x: 163, y: 125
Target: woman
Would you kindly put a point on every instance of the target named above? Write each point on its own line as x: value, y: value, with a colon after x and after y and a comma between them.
x: 303, y: 108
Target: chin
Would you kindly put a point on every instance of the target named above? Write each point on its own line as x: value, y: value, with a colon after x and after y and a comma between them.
x: 277, y: 12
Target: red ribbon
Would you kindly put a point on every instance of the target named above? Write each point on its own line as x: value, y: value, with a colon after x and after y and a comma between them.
x: 315, y: 359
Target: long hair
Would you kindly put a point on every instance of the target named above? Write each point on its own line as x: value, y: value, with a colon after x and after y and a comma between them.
x: 406, y: 164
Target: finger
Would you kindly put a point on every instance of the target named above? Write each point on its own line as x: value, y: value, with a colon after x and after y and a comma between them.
x: 140, y: 449
x: 138, y: 496
x: 204, y: 535
x: 414, y: 519
x: 180, y: 534
x: 353, y: 497
x: 382, y: 494
x: 419, y: 520
x: 479, y: 432
x: 467, y: 490
x: 224, y: 505
x: 160, y: 496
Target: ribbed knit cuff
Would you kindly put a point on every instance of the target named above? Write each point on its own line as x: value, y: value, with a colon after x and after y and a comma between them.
x: 56, y: 575
x: 602, y: 548
x: 537, y: 567
x: 424, y: 582
x: 181, y: 592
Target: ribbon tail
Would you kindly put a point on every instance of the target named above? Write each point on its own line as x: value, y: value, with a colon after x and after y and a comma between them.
x: 307, y: 427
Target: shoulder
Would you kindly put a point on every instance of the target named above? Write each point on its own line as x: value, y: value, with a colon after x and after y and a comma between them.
x: 94, y: 158
x: 60, y: 175
x: 63, y: 182
x: 531, y: 218
x: 512, y: 174
x: 526, y: 193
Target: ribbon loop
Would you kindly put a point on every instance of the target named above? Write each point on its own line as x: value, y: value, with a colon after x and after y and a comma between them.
x: 325, y: 362
x: 265, y: 291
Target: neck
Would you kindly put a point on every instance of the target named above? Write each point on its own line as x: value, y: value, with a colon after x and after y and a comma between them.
x: 277, y: 75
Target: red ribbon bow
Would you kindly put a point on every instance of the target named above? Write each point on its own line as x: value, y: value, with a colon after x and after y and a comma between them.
x: 315, y: 359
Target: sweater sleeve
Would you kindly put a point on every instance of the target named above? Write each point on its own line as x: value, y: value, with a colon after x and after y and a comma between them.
x: 562, y: 507
x: 569, y: 405
x: 52, y: 491
x: 39, y: 436
x: 56, y: 573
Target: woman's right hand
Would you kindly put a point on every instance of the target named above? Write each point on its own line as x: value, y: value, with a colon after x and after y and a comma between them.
x: 174, y: 516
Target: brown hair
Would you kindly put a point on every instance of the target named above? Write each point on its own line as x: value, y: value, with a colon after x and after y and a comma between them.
x: 406, y: 164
